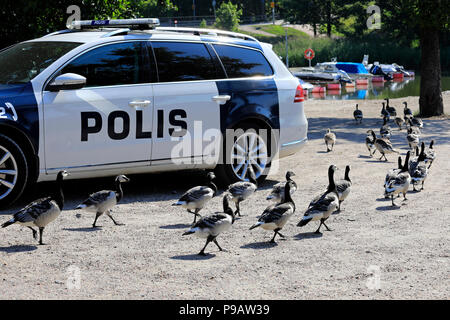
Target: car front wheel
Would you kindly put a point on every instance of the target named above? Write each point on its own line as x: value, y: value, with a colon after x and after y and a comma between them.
x: 13, y: 171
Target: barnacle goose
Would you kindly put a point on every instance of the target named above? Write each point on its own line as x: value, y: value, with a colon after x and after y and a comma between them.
x: 103, y: 201
x: 211, y: 226
x: 358, y: 114
x: 277, y: 193
x: 391, y: 110
x: 383, y: 146
x: 343, y: 187
x: 400, y: 183
x: 276, y: 216
x: 196, y: 197
x: 370, y: 143
x: 385, y: 130
x: 41, y: 212
x: 322, y: 206
x: 242, y: 190
x: 330, y: 139
x: 418, y: 168
x: 430, y: 154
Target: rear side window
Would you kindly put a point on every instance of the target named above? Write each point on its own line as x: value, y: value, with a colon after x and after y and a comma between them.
x: 183, y: 61
x: 110, y: 65
x: 242, y: 63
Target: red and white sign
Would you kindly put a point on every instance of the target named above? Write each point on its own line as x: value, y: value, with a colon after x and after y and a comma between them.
x: 309, y: 54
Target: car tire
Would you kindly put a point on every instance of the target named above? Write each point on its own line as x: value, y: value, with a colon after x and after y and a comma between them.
x: 14, y: 171
x: 232, y: 169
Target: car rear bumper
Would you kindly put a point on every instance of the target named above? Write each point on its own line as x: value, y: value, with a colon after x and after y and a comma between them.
x: 289, y: 148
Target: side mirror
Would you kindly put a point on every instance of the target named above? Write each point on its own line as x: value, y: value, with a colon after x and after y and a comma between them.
x: 67, y: 81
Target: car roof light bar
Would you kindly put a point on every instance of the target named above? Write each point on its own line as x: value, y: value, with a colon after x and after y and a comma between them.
x: 140, y: 24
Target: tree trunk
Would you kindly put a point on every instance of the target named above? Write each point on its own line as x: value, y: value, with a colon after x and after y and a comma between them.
x: 430, y: 101
x: 329, y: 19
x: 315, y: 29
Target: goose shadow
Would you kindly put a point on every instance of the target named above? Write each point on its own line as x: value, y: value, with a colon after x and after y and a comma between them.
x: 324, y: 152
x: 84, y: 229
x: 260, y: 245
x: 176, y: 226
x: 18, y: 248
x: 308, y: 235
x: 388, y: 208
x: 194, y: 257
x: 364, y: 157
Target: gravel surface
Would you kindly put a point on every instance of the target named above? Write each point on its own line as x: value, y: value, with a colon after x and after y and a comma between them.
x: 405, y: 248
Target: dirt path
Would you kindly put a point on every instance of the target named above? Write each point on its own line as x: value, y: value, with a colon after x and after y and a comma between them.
x: 406, y: 248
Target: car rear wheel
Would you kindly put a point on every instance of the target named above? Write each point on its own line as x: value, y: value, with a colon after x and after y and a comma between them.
x: 13, y: 171
x: 249, y: 150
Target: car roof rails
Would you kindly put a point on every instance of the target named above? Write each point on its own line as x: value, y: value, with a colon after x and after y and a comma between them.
x: 208, y: 32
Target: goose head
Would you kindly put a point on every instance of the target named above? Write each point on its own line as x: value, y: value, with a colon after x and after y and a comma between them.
x: 387, y: 101
x: 356, y: 106
x: 431, y: 144
x: 422, y: 152
x: 122, y: 178
x: 211, y: 176
x: 406, y: 104
x: 328, y: 130
x: 289, y: 175
x: 62, y: 174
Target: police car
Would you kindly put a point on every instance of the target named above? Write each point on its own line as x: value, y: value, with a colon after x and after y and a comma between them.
x: 127, y: 96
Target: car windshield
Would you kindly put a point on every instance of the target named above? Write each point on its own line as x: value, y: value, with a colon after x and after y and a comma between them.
x: 24, y: 61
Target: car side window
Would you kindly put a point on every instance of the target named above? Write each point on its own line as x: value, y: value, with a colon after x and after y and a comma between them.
x: 183, y: 61
x: 242, y: 63
x: 112, y: 65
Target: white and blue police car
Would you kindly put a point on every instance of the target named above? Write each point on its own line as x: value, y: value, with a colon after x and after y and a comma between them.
x: 126, y: 96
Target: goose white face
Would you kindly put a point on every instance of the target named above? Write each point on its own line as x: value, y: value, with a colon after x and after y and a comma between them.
x: 123, y: 178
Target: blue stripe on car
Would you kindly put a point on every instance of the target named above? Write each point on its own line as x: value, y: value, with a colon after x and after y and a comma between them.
x: 22, y: 98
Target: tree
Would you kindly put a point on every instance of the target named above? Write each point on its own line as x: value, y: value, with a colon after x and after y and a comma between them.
x: 228, y: 16
x: 427, y: 19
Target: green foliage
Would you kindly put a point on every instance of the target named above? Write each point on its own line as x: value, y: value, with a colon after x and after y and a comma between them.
x: 27, y: 19
x: 203, y: 24
x: 228, y: 16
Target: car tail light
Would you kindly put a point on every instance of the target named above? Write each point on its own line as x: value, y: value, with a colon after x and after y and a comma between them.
x: 299, y: 97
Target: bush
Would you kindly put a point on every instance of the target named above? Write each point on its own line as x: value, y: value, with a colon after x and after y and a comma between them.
x: 203, y: 24
x: 228, y: 16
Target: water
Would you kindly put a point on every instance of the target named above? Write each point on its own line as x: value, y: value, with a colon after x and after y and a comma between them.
x: 390, y: 89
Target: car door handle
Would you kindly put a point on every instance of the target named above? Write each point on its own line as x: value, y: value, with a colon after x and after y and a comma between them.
x: 221, y: 99
x: 137, y: 103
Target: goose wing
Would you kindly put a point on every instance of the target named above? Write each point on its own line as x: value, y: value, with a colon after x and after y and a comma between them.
x: 342, y: 185
x: 32, y: 211
x: 98, y: 197
x: 400, y: 180
x: 384, y: 144
x: 241, y: 188
x: 210, y: 221
x: 197, y: 193
x: 420, y: 172
x: 274, y: 213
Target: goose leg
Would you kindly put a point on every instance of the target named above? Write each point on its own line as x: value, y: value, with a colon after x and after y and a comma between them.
x: 328, y: 229
x: 404, y: 196
x: 217, y: 244
x: 108, y: 213
x: 41, y: 231
x: 195, y: 215
x: 95, y: 221
x: 273, y: 239
x: 318, y: 229
x: 392, y: 199
x: 422, y: 185
x: 280, y: 234
x: 238, y: 211
x: 208, y: 240
x: 328, y: 150
x: 34, y: 233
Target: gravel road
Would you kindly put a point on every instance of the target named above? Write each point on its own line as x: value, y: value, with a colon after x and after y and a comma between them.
x: 373, y: 252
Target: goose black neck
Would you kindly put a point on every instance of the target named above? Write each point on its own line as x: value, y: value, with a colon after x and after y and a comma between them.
x: 227, y: 209
x: 119, y: 191
x: 399, y: 162
x: 373, y: 135
x: 347, y: 171
x: 405, y: 166
x: 422, y: 152
x: 331, y: 184
x: 213, y: 186
x: 431, y: 144
x: 287, y: 194
x: 59, y: 195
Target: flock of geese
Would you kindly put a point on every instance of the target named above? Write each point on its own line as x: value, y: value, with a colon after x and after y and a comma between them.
x: 413, y: 170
